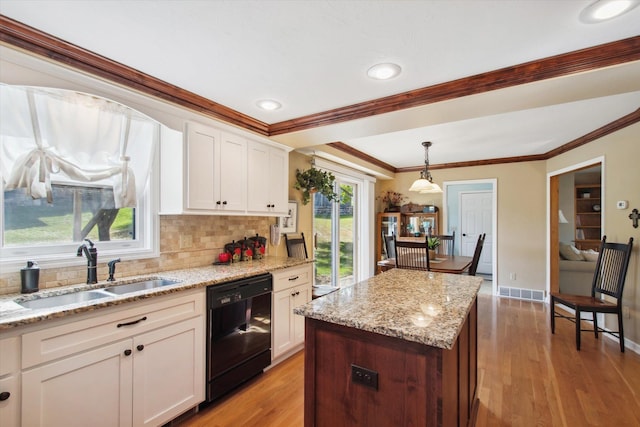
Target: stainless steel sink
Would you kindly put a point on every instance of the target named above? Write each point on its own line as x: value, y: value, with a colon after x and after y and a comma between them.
x: 76, y: 297
x: 60, y: 300
x: 140, y: 286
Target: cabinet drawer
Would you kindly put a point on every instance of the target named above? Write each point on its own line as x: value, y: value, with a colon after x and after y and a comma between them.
x: 88, y: 331
x: 289, y: 277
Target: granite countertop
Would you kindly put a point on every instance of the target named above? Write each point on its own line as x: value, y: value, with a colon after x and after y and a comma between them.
x: 13, y: 315
x: 428, y: 308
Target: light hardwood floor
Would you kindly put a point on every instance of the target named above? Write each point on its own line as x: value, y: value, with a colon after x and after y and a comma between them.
x: 526, y: 377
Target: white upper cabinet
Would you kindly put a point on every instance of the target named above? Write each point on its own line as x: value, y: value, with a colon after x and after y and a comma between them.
x: 233, y: 173
x: 268, y: 169
x: 216, y: 170
x: 212, y: 171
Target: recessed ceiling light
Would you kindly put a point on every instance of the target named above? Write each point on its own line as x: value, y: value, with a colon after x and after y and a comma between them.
x: 268, y: 104
x: 384, y: 71
x: 603, y: 10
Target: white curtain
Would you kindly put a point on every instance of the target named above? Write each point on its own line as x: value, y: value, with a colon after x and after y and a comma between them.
x: 61, y: 136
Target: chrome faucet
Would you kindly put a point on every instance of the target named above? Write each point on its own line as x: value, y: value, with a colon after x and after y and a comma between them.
x: 92, y: 260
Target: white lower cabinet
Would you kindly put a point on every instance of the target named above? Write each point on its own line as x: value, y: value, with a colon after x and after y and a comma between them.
x: 10, y: 403
x: 152, y: 373
x: 91, y: 388
x: 291, y: 288
x: 167, y: 372
x: 10, y: 381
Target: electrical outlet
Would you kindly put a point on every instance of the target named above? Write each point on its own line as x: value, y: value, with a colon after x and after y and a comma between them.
x: 364, y: 376
x: 512, y: 276
x: 186, y: 241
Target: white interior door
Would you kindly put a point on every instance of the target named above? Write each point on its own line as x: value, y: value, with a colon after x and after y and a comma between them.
x: 476, y: 213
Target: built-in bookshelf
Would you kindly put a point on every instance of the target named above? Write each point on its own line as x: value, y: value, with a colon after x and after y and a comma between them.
x: 588, y: 227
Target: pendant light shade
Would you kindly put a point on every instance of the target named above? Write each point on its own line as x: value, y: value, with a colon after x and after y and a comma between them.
x: 425, y: 183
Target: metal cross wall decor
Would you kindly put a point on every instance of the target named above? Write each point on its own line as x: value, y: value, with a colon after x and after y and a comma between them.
x: 634, y: 216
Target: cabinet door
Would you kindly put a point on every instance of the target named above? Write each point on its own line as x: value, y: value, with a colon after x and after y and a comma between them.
x: 267, y: 174
x: 278, y: 180
x: 259, y: 180
x: 90, y: 389
x: 10, y: 406
x: 168, y: 376
x: 202, y: 153
x: 302, y: 296
x: 282, y: 317
x: 232, y: 173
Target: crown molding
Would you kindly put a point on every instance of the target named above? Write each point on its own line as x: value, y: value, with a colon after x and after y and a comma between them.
x: 592, y: 58
x: 37, y: 42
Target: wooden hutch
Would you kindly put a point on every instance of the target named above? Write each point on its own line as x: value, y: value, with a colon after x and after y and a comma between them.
x: 413, y: 221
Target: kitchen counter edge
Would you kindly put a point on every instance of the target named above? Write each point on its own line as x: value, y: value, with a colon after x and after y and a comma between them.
x: 427, y: 308
x: 12, y: 315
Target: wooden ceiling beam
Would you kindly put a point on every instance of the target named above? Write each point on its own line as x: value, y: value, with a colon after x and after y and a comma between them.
x: 578, y: 61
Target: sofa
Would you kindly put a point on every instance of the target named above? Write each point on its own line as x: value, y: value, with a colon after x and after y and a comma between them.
x: 576, y: 277
x: 576, y: 270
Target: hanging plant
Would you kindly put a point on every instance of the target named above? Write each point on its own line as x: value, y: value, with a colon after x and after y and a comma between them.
x: 312, y: 181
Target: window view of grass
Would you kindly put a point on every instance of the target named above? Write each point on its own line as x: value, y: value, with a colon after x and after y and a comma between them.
x: 36, y: 222
x: 322, y: 228
x: 323, y: 251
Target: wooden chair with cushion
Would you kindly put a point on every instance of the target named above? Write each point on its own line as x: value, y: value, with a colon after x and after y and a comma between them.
x: 476, y: 255
x: 296, y: 247
x: 412, y: 255
x: 447, y: 243
x: 608, y: 281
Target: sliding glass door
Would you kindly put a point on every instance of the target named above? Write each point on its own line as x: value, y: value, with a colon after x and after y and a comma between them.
x: 335, y: 228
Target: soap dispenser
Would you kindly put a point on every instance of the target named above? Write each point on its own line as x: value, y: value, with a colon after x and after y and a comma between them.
x: 30, y: 276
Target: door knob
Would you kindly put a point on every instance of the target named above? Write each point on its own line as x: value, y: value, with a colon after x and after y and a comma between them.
x: 4, y: 395
x: 140, y: 347
x: 127, y: 352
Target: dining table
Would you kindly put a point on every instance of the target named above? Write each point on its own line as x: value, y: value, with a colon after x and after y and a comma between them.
x: 455, y: 264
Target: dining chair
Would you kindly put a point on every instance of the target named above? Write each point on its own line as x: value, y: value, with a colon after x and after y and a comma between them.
x: 608, y: 281
x: 388, y: 246
x: 476, y: 255
x: 411, y: 255
x: 296, y: 247
x: 447, y: 243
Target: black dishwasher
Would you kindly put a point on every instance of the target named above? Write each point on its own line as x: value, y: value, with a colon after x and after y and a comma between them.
x: 238, y: 332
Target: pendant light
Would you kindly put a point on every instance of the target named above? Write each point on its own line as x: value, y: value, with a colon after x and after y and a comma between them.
x: 425, y: 183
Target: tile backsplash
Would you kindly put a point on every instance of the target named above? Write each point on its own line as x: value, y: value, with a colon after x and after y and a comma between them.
x: 203, y: 238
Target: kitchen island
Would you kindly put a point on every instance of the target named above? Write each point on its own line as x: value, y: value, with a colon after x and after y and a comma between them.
x: 397, y: 349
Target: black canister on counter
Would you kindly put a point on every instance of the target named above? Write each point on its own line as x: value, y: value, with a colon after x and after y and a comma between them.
x: 30, y: 276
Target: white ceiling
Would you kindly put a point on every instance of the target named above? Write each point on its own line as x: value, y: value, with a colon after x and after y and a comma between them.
x: 312, y: 56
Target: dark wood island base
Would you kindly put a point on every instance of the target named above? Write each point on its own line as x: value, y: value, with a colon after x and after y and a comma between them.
x: 360, y: 378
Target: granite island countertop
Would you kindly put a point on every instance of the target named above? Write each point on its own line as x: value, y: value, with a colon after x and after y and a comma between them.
x: 428, y: 308
x: 13, y: 315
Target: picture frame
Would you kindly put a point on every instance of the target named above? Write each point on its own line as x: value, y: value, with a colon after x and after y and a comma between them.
x: 289, y: 223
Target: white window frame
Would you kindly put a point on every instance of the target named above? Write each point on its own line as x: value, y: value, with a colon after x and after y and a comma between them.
x: 364, y: 256
x: 146, y: 245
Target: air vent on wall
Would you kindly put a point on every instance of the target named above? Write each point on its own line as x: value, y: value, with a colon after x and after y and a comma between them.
x: 526, y: 294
